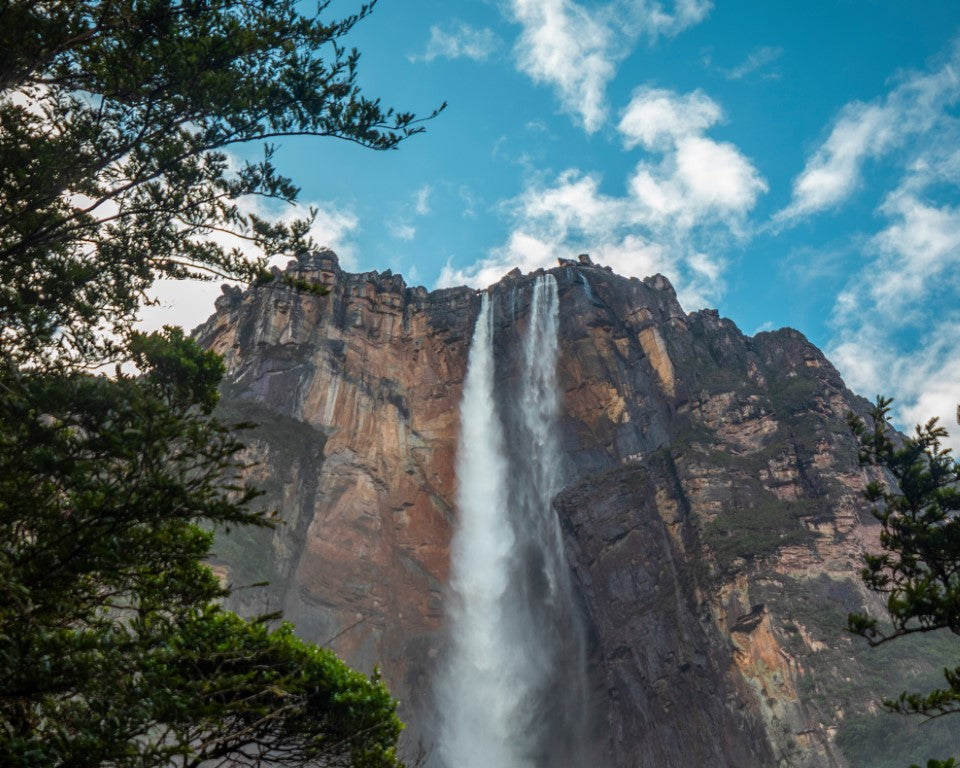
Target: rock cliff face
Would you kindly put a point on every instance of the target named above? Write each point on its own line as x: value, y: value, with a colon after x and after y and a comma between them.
x: 712, y: 516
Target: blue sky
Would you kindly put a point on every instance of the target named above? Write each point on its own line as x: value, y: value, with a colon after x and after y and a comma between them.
x: 791, y: 164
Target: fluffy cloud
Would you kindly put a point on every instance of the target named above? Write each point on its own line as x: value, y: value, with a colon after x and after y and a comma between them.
x: 459, y: 41
x: 658, y: 118
x: 701, y: 180
x: 577, y: 50
x: 923, y: 378
x: 918, y: 252
x: 697, y: 195
x: 564, y: 45
x: 698, y: 180
x: 918, y: 106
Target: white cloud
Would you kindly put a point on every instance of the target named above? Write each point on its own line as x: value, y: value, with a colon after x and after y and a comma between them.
x: 333, y: 228
x: 188, y: 303
x: 917, y: 252
x: 863, y: 131
x: 657, y: 118
x: 701, y: 180
x: 459, y: 41
x: 755, y: 61
x: 697, y: 195
x: 564, y: 45
x: 924, y: 379
x: 698, y: 179
x: 573, y: 203
x: 648, y: 17
x: 833, y: 173
x: 576, y: 50
x: 421, y: 202
x: 897, y: 321
x: 402, y: 231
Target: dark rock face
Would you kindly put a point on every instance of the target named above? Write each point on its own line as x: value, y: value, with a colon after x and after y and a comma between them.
x: 712, y: 512
x: 665, y: 668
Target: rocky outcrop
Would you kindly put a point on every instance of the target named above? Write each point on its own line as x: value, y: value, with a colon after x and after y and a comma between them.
x: 712, y: 511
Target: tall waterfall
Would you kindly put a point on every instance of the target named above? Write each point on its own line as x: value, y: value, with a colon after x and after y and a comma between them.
x: 512, y: 692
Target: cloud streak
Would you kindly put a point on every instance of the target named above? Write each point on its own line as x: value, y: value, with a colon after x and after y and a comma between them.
x: 754, y: 62
x: 459, y: 41
x: 865, y: 131
x: 897, y: 320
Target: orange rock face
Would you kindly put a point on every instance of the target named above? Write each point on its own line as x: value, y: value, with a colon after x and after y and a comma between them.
x: 361, y: 560
x: 712, y: 512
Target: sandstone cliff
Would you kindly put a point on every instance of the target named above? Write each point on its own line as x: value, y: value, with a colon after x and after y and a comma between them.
x: 712, y: 515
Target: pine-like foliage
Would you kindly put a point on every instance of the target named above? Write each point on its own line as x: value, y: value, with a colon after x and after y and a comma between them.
x: 918, y: 567
x: 115, y: 121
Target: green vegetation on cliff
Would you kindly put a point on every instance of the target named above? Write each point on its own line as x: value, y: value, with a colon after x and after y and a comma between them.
x: 841, y: 680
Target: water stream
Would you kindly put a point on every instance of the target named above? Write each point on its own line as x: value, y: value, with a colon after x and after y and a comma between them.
x: 511, y: 694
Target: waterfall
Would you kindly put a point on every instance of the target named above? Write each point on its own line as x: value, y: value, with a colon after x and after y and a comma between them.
x: 511, y: 694
x: 476, y: 694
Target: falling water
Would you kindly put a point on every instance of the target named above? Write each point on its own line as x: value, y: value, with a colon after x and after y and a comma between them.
x: 475, y: 691
x: 512, y: 692
x: 586, y: 288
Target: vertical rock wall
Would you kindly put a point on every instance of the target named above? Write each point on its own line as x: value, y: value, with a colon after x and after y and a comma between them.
x: 712, y: 515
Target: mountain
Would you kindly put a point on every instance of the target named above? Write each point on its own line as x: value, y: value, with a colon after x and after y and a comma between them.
x: 709, y: 507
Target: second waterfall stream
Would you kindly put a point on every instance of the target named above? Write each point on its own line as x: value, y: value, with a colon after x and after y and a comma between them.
x: 511, y: 693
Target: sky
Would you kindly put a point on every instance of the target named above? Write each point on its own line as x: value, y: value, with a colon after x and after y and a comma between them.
x: 788, y: 163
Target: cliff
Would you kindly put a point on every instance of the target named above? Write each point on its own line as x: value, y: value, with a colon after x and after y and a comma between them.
x: 711, y: 514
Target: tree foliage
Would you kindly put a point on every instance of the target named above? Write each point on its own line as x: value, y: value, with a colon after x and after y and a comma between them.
x: 116, y: 117
x: 918, y: 567
x: 112, y: 649
x: 115, y: 122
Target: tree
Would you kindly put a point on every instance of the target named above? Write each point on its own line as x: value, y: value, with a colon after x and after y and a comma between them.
x: 114, y: 125
x: 918, y: 568
x: 112, y: 648
x: 115, y: 121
